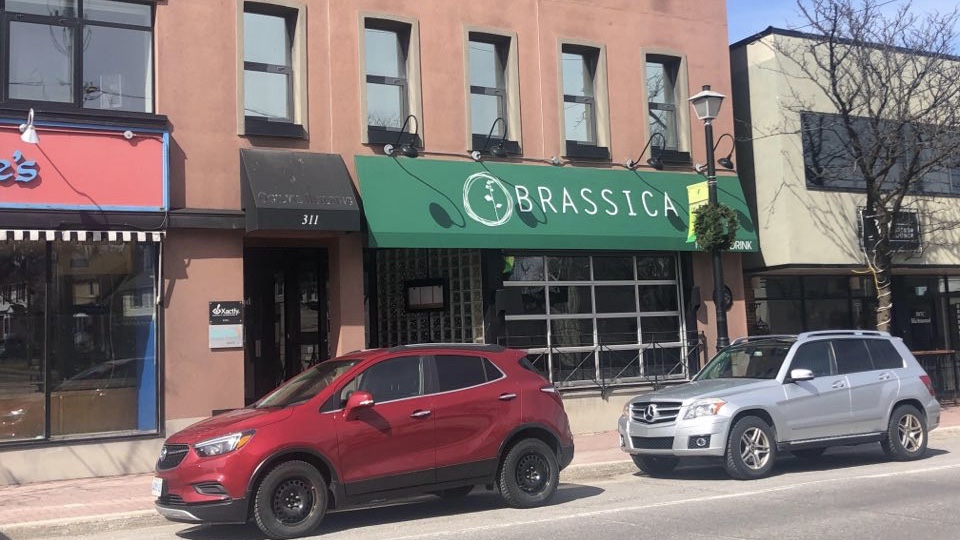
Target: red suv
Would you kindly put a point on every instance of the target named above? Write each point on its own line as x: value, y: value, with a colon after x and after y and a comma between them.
x: 371, y: 425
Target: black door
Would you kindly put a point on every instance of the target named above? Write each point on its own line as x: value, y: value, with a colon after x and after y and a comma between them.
x: 286, y: 319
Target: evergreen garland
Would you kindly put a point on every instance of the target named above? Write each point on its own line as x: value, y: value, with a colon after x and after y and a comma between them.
x: 715, y: 226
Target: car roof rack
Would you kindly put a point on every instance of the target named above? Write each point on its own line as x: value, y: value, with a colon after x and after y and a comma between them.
x: 747, y: 339
x: 829, y: 333
x: 486, y: 347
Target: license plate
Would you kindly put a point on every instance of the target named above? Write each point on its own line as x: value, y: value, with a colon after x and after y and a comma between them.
x: 156, y: 488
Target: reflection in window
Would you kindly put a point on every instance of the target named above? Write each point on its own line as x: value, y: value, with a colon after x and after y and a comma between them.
x: 23, y: 266
x: 661, y: 76
x: 385, y: 44
x: 112, y: 40
x: 268, y: 35
x: 97, y: 333
x: 594, y: 322
x: 94, y: 352
x: 487, y: 56
x: 579, y: 67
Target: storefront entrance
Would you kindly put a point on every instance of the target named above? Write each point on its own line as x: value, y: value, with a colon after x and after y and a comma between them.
x: 286, y: 321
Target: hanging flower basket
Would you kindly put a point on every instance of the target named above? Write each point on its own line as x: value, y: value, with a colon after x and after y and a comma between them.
x: 715, y: 226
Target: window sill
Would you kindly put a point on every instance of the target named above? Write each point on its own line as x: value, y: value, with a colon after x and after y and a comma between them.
x: 381, y: 135
x: 579, y: 150
x: 259, y: 127
x: 478, y: 142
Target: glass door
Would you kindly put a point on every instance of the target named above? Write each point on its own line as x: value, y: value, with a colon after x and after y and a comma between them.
x: 287, y: 316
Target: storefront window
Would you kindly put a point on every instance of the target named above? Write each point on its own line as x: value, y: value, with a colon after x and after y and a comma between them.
x: 22, y: 308
x: 83, y: 357
x: 794, y: 304
x: 595, y: 314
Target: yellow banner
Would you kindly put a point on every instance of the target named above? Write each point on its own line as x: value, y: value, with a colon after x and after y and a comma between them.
x: 697, y: 196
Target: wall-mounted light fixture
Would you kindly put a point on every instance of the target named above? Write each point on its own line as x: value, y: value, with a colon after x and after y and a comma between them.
x: 408, y: 148
x: 726, y: 162
x: 28, y: 132
x: 654, y: 160
x: 497, y: 151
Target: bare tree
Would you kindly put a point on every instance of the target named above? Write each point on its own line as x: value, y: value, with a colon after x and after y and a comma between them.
x: 894, y: 131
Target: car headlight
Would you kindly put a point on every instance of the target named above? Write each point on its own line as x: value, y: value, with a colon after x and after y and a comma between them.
x: 626, y: 409
x: 223, y: 445
x: 704, y: 407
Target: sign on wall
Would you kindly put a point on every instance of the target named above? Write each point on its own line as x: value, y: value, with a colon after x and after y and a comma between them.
x: 74, y: 167
x: 226, y: 324
x: 905, y: 234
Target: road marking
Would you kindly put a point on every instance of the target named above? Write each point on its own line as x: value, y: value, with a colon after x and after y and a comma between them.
x: 607, y: 511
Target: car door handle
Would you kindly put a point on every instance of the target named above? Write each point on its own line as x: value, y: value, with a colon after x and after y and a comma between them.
x: 884, y: 377
x: 507, y: 396
x: 839, y: 384
x: 420, y: 413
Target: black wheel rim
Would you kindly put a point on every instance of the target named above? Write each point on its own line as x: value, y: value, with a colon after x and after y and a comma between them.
x: 292, y: 501
x: 533, y: 473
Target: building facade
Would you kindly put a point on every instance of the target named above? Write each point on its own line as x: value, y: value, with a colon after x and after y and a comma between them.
x: 810, y: 273
x: 347, y: 174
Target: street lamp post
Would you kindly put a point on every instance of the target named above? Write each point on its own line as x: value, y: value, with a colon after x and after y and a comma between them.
x: 707, y: 106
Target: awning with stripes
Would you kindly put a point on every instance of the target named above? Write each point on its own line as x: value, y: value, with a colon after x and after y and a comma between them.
x: 37, y: 235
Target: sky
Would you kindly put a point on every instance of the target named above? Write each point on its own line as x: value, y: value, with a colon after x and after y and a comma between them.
x: 748, y: 17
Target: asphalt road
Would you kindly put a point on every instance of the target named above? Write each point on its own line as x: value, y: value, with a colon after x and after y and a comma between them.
x: 852, y: 493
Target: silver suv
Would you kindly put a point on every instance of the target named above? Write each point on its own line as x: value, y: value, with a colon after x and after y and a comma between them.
x: 769, y: 394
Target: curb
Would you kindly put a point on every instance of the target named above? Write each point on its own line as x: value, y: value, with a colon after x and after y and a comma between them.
x: 72, y: 527
x: 597, y: 471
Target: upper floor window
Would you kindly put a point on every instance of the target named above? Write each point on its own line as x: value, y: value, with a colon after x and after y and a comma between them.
x: 271, y: 70
x: 494, y: 92
x: 829, y: 162
x: 94, y: 54
x: 583, y: 120
x: 390, y: 59
x: 661, y: 76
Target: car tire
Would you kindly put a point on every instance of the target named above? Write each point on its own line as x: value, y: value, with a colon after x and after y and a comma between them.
x: 453, y: 493
x: 529, y: 474
x: 655, y: 465
x: 906, y: 437
x: 290, y: 501
x: 808, y: 455
x: 751, y: 449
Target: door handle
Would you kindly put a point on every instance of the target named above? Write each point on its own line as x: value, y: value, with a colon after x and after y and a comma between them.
x: 884, y: 377
x: 420, y: 413
x: 507, y: 396
x: 839, y: 384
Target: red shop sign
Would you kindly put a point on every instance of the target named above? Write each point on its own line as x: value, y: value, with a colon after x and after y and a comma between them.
x: 83, y: 169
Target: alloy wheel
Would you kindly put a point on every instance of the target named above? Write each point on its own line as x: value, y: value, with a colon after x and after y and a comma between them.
x: 911, y: 433
x: 755, y: 448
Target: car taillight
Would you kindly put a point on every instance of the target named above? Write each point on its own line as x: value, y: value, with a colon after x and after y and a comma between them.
x: 928, y: 384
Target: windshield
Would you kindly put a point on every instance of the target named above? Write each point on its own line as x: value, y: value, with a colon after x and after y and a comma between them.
x: 757, y: 360
x: 307, y: 384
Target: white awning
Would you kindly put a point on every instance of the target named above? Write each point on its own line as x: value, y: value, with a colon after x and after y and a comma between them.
x: 36, y: 235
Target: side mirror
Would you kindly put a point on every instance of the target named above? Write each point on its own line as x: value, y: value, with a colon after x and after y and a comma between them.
x: 800, y: 375
x: 358, y: 400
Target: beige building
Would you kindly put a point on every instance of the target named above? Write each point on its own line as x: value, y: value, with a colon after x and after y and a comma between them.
x: 810, y: 273
x: 346, y: 174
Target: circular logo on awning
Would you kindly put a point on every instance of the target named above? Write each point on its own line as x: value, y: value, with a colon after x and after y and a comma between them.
x: 486, y: 200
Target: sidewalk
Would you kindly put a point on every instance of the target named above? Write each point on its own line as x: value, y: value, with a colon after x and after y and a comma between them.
x: 71, y: 507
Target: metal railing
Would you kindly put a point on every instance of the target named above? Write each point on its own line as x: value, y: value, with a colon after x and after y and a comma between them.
x: 944, y: 371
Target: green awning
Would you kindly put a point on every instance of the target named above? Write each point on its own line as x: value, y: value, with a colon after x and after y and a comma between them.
x: 423, y: 203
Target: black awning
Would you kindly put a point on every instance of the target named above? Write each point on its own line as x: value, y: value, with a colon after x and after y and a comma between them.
x: 298, y: 191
